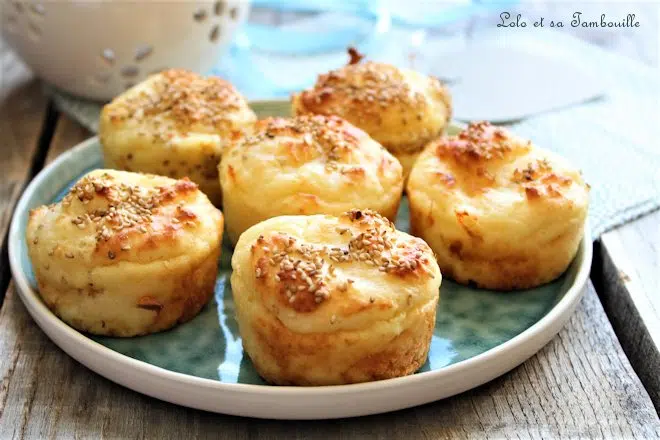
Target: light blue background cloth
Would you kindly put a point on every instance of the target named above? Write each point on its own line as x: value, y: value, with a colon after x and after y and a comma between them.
x: 615, y: 140
x: 259, y: 61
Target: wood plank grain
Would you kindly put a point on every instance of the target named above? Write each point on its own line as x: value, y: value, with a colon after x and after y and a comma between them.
x: 68, y: 134
x: 23, y: 110
x: 630, y: 293
x: 579, y: 386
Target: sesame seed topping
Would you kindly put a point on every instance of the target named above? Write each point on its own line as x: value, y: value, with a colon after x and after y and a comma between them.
x: 307, y: 272
x: 538, y: 178
x: 364, y: 82
x: 331, y: 136
x: 479, y: 141
x: 185, y: 98
x: 120, y: 206
x: 361, y: 92
x: 127, y: 205
x: 532, y: 172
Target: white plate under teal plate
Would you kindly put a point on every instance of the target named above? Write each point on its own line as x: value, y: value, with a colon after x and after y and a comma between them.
x: 478, y: 336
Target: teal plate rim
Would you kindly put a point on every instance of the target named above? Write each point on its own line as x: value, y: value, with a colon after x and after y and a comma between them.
x: 282, y: 402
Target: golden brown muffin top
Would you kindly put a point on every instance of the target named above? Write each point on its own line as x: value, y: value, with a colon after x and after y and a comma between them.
x: 484, y: 156
x: 478, y: 142
x: 330, y: 135
x: 367, y: 86
x: 400, y: 108
x: 303, y: 273
x: 126, y: 205
x: 108, y: 214
x: 184, y: 96
x: 540, y: 179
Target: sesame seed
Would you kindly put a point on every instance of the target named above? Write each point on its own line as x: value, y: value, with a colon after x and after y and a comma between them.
x: 305, y: 268
x: 365, y: 82
x: 127, y: 205
x: 185, y: 98
x: 326, y: 133
x: 479, y: 141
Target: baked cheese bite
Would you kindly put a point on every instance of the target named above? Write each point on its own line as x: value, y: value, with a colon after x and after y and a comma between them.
x: 309, y: 164
x: 126, y: 254
x: 400, y: 108
x: 324, y: 300
x: 498, y: 211
x: 174, y: 124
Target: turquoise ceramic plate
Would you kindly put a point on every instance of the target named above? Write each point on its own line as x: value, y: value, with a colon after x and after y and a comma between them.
x: 478, y: 336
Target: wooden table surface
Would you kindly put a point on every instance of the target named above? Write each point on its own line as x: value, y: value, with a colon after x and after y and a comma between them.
x: 597, y: 379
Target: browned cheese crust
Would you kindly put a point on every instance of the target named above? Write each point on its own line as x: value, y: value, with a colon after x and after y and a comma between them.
x: 330, y: 300
x: 126, y: 254
x: 498, y: 211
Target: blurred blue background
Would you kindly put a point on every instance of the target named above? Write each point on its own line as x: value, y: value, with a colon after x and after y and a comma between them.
x: 314, y: 35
